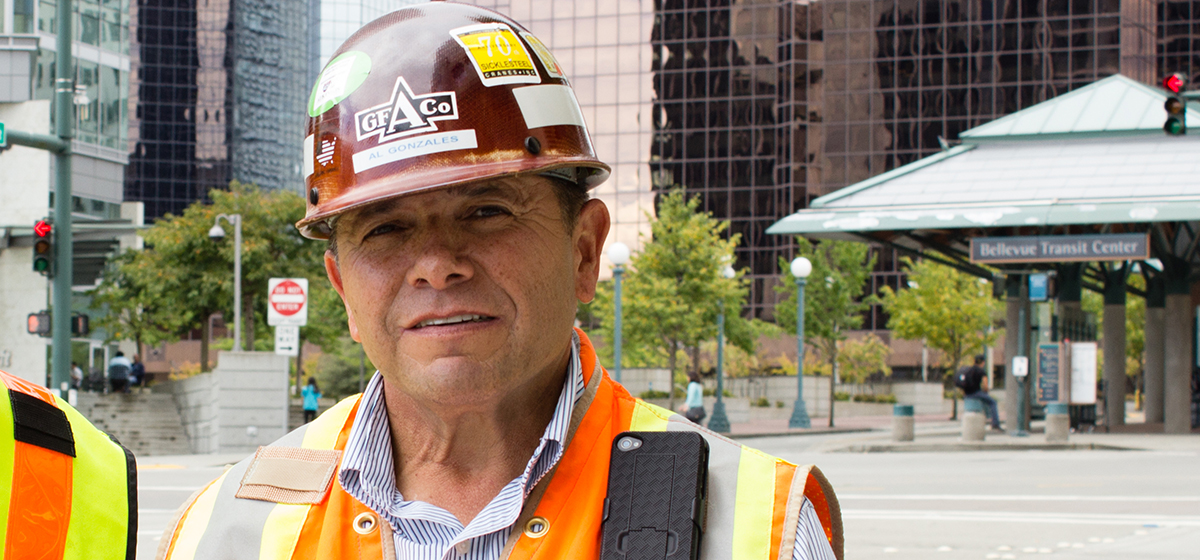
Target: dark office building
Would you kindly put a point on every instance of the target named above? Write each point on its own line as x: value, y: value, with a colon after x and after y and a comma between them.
x: 736, y: 101
x: 220, y: 89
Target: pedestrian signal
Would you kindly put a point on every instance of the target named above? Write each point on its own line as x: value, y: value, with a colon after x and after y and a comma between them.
x: 79, y: 325
x: 39, y: 323
x: 43, y: 248
x: 1176, y: 105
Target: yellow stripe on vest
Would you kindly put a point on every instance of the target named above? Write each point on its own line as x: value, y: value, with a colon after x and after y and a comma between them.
x: 195, y: 522
x: 753, y: 514
x: 281, y: 532
x: 7, y: 456
x: 648, y: 418
x: 100, y: 492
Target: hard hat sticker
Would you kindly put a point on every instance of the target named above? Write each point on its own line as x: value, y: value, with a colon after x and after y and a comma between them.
x: 406, y: 113
x: 548, y: 105
x: 422, y: 145
x: 499, y: 56
x: 552, y: 68
x: 338, y: 80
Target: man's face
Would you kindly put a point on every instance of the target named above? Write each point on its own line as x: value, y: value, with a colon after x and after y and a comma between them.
x: 464, y: 294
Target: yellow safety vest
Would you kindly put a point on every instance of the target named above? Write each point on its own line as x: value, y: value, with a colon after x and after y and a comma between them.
x: 67, y: 490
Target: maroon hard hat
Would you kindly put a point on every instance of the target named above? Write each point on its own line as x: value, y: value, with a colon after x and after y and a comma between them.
x: 433, y: 96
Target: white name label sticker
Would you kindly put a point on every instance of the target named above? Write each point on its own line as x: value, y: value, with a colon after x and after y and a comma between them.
x: 422, y: 145
x: 548, y: 105
x: 308, y: 155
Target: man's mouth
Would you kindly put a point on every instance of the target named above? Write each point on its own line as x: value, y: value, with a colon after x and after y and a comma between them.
x: 455, y: 320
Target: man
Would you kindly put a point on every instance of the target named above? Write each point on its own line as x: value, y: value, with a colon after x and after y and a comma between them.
x: 119, y: 369
x: 974, y: 384
x: 137, y: 372
x: 450, y: 178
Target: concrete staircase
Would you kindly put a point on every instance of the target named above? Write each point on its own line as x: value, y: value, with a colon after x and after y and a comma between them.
x: 147, y: 423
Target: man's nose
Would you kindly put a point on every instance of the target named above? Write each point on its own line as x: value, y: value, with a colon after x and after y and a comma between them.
x: 440, y: 262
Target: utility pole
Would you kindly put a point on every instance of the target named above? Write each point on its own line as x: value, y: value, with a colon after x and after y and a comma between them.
x: 60, y: 144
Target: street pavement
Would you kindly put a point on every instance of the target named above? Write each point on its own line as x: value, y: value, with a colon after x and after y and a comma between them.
x: 1140, y: 502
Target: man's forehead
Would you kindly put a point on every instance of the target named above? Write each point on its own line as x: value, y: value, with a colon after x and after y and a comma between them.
x: 512, y: 188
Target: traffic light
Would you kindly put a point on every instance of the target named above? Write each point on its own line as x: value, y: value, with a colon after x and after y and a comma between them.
x: 79, y: 325
x: 43, y: 248
x: 1176, y: 105
x: 38, y: 323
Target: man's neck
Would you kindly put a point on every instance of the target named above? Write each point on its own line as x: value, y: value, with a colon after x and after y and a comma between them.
x: 459, y: 460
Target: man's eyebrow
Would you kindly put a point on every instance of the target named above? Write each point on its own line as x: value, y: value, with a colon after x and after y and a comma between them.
x: 478, y: 189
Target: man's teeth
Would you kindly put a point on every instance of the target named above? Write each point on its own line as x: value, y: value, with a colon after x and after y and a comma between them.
x: 451, y: 320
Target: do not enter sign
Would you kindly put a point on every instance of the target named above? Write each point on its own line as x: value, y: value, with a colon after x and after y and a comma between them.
x: 287, y: 302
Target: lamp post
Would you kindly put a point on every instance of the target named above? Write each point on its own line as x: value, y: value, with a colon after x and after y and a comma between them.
x: 720, y: 422
x: 801, y: 268
x: 218, y: 233
x: 618, y: 253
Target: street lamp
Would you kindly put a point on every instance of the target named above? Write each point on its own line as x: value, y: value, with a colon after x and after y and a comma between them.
x: 618, y: 253
x: 801, y: 268
x: 720, y: 422
x: 218, y: 233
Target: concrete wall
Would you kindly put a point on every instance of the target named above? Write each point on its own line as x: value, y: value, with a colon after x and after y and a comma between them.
x: 196, y: 398
x: 240, y: 405
x: 252, y: 399
x: 640, y: 380
x: 24, y: 198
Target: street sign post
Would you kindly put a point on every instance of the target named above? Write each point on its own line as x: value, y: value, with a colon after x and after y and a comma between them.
x: 287, y: 340
x: 287, y: 302
x: 3, y: 137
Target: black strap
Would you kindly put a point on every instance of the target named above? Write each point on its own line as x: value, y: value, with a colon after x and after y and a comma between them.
x: 131, y: 479
x: 40, y: 423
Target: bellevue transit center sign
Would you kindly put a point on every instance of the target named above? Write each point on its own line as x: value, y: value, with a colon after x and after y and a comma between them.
x: 1061, y: 248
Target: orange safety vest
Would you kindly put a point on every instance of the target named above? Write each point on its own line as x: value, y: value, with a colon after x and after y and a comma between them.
x: 67, y: 490
x: 286, y: 503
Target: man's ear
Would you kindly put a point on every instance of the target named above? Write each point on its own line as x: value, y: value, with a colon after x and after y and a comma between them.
x: 591, y: 229
x: 335, y: 278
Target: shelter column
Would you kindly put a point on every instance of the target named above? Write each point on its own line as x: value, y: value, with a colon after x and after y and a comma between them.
x: 1152, y: 370
x: 1177, y: 349
x: 1114, y: 343
x: 1016, y: 299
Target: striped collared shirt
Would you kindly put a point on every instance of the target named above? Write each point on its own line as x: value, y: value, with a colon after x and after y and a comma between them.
x: 423, y: 531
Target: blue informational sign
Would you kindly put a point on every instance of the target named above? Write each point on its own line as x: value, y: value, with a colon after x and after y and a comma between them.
x: 1038, y: 287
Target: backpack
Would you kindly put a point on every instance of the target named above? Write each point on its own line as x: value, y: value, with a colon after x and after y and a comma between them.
x: 962, y: 380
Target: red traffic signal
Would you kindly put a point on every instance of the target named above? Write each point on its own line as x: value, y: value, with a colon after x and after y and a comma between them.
x: 42, y: 228
x: 38, y: 323
x: 43, y: 247
x: 1175, y: 83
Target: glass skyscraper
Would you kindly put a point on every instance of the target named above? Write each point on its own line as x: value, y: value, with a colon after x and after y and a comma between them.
x: 219, y: 89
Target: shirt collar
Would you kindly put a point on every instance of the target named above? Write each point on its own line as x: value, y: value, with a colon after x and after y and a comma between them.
x: 367, y: 471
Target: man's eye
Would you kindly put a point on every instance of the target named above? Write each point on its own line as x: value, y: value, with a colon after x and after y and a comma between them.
x: 381, y: 230
x: 488, y: 212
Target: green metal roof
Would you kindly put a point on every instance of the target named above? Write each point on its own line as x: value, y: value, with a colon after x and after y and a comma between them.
x: 1096, y: 155
x: 1114, y: 104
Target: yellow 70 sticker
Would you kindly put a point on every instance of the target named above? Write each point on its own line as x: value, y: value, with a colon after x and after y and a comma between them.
x: 499, y: 56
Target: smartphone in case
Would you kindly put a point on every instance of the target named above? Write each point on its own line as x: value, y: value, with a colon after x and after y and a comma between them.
x: 657, y: 497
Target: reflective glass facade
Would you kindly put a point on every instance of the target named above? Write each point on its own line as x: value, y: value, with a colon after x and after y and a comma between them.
x: 220, y: 88
x: 762, y: 105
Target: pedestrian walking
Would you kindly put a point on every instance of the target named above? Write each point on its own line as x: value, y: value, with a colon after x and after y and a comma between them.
x: 973, y: 382
x: 693, y: 407
x: 76, y: 376
x: 310, y: 394
x: 137, y: 372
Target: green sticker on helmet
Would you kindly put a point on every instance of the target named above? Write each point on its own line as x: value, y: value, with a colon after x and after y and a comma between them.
x: 338, y: 80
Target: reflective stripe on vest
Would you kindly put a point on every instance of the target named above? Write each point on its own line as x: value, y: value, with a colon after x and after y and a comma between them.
x: 753, y: 511
x: 71, y: 490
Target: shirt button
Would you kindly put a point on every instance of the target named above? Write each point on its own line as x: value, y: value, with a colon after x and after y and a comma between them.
x: 463, y: 548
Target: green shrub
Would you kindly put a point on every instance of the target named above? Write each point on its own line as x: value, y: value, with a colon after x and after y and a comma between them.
x: 840, y: 396
x: 887, y: 398
x: 778, y: 404
x: 652, y: 394
x: 761, y: 402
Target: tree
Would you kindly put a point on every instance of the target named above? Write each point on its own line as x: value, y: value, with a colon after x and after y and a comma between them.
x: 833, y: 297
x: 191, y: 275
x: 131, y: 302
x: 951, y: 310
x: 674, y: 289
x: 861, y: 358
